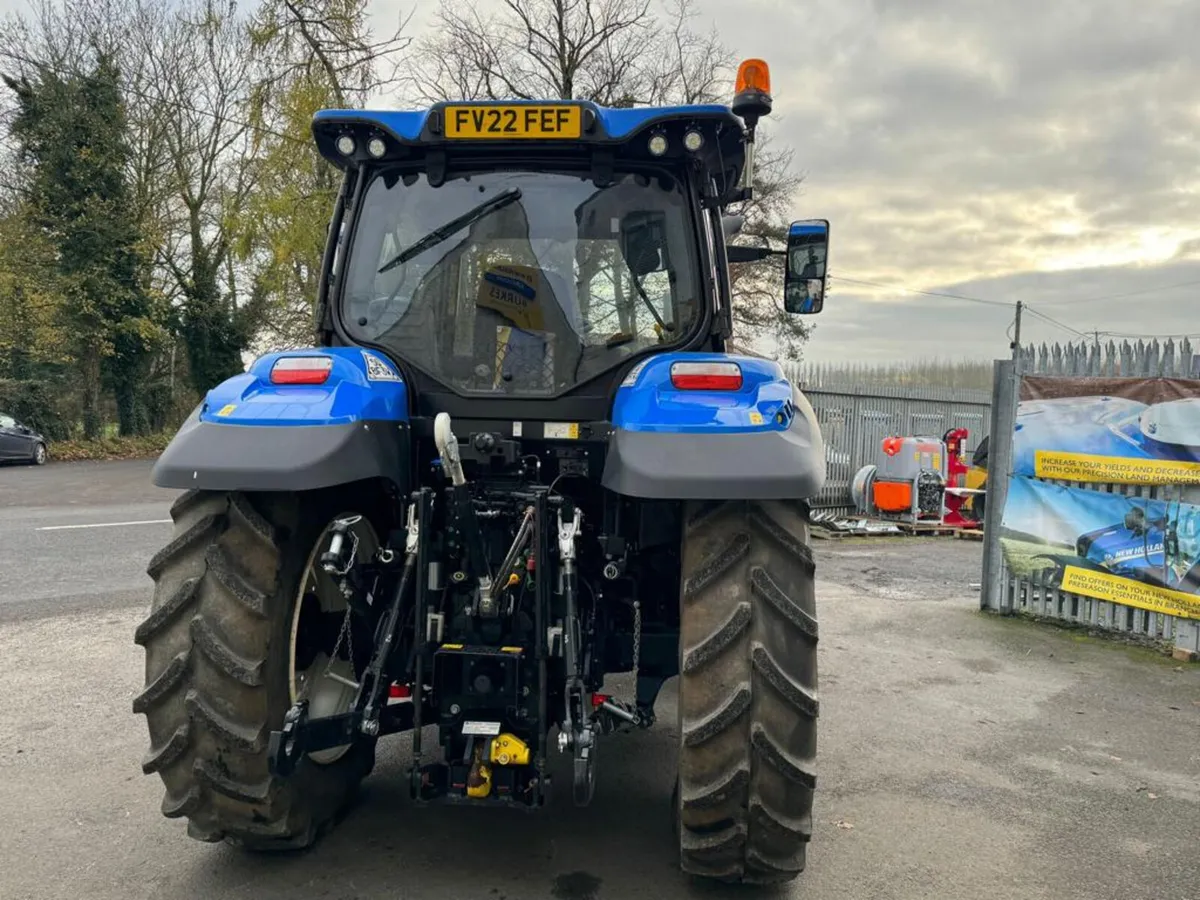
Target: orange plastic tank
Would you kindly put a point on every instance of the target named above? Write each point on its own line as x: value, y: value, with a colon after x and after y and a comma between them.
x: 893, y: 496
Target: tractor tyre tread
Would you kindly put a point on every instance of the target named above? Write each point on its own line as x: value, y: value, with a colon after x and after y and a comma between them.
x: 748, y: 692
x: 216, y: 644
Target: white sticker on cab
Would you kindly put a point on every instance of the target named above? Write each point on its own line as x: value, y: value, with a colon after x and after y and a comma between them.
x: 561, y: 431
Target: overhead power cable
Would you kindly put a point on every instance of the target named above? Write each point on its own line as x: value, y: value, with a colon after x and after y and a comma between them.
x: 1056, y: 322
x: 892, y: 287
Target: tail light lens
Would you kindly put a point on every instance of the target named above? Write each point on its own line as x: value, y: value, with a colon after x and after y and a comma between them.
x: 706, y: 376
x: 301, y: 370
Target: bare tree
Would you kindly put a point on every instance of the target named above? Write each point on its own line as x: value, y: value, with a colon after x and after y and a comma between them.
x: 310, y: 54
x: 200, y: 62
x: 613, y: 52
x: 328, y: 41
x: 759, y: 318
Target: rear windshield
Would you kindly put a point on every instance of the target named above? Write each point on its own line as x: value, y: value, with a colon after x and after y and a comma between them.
x: 521, y: 283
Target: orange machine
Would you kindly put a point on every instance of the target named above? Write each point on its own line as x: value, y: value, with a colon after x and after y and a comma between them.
x: 907, y: 481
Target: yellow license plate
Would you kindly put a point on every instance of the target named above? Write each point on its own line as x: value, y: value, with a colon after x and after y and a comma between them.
x: 506, y: 123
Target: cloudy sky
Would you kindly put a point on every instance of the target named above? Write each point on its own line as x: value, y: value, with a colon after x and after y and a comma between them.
x: 1038, y: 150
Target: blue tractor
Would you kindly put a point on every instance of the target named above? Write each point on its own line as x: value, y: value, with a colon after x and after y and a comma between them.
x: 519, y: 462
x: 1157, y: 544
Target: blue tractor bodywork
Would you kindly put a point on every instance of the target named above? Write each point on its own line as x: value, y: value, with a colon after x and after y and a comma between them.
x: 665, y: 443
x: 668, y: 443
x: 250, y: 434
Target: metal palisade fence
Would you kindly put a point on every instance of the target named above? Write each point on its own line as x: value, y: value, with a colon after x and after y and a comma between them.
x: 1036, y: 594
x: 855, y: 420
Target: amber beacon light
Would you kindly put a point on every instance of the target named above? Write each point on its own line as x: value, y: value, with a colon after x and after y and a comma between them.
x: 751, y: 101
x: 753, y: 77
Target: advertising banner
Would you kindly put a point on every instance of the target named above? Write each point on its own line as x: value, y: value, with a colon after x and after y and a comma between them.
x: 1108, y: 430
x: 1129, y: 550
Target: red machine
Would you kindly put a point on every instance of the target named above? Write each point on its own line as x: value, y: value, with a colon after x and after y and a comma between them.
x: 956, y: 490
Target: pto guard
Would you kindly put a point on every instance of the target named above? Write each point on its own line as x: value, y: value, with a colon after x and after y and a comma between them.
x: 250, y: 434
x: 758, y: 442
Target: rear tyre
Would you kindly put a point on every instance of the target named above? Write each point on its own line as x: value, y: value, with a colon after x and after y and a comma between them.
x: 747, y: 692
x: 219, y: 662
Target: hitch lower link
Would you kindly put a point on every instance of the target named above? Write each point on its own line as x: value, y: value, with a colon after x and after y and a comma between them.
x: 300, y: 734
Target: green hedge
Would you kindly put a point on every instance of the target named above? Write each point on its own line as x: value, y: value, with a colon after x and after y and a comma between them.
x: 36, y: 404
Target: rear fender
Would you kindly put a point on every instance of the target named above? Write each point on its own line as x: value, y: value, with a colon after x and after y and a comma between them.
x: 249, y: 434
x: 757, y: 443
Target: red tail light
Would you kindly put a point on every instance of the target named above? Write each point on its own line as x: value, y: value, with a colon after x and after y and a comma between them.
x: 706, y: 376
x: 301, y: 370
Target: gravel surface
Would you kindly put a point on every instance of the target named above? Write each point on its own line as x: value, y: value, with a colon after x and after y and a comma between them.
x: 961, y: 755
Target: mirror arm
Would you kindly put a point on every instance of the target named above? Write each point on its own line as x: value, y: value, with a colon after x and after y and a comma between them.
x: 751, y: 254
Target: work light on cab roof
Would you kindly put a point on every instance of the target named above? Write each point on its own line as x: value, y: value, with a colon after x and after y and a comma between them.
x: 720, y: 138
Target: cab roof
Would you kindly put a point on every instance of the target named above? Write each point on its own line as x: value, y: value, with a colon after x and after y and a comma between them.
x: 624, y: 134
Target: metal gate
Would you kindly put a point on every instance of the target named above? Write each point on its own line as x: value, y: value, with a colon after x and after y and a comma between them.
x: 1008, y: 593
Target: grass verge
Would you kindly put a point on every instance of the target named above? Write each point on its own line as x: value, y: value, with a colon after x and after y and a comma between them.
x: 110, y: 448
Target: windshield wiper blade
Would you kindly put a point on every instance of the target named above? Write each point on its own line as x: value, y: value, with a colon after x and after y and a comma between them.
x: 446, y: 231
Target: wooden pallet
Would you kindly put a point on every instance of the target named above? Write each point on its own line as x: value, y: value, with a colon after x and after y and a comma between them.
x: 968, y: 534
x: 926, y: 529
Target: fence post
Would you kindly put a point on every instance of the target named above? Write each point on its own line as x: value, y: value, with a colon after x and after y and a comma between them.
x: 999, y: 466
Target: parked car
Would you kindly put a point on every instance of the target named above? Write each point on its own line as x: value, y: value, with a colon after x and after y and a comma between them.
x: 20, y: 443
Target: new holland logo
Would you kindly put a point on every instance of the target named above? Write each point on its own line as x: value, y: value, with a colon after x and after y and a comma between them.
x: 377, y: 369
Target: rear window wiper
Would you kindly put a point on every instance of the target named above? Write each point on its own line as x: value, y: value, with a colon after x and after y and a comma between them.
x: 446, y: 231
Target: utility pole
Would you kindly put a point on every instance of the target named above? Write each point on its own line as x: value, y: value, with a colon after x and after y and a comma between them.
x: 1016, y: 343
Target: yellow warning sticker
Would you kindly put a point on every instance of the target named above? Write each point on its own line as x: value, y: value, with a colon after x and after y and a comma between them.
x: 226, y: 409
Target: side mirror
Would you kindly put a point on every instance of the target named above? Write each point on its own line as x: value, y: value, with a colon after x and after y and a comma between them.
x: 644, y: 242
x: 804, y: 282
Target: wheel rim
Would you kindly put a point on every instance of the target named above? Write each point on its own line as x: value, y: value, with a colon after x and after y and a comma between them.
x: 318, y: 617
x: 39, y: 454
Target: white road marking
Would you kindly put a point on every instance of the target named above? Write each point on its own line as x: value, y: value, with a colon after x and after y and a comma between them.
x: 104, y: 525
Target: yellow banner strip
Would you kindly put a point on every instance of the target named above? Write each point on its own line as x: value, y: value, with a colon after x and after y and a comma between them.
x: 1113, y: 469
x: 1115, y: 589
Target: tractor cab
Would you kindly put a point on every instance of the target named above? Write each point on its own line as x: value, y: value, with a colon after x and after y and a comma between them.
x: 537, y: 251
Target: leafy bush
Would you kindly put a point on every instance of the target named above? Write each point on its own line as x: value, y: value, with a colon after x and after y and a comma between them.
x: 36, y: 404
